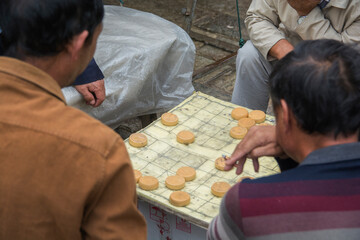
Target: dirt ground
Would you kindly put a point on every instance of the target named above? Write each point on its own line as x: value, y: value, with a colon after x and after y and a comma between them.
x: 173, y: 10
x: 212, y: 20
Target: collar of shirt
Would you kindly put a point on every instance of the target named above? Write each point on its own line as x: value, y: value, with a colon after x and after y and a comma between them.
x: 323, y: 3
x: 32, y: 74
x: 336, y: 153
x: 342, y: 4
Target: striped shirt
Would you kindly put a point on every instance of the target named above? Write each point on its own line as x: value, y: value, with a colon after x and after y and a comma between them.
x: 320, y: 199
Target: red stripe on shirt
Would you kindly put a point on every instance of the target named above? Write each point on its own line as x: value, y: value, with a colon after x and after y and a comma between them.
x: 294, y: 204
x: 298, y: 222
x: 253, y: 189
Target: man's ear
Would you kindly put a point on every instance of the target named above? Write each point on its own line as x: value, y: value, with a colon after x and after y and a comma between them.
x: 285, y: 115
x: 76, y: 44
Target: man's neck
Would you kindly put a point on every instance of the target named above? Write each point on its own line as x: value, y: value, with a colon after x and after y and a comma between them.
x: 56, y: 67
x: 307, y: 143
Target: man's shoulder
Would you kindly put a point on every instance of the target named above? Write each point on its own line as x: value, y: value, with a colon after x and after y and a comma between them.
x: 63, y: 123
x: 306, y: 179
x: 37, y: 111
x: 82, y: 129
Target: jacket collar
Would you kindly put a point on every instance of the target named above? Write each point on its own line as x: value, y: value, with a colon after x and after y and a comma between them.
x: 336, y: 153
x: 31, y: 74
x: 338, y: 3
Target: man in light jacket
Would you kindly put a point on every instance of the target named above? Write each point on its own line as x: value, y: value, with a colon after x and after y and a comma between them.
x: 275, y: 27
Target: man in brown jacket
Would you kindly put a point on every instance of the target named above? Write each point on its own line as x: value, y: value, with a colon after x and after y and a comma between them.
x: 275, y: 27
x: 63, y: 174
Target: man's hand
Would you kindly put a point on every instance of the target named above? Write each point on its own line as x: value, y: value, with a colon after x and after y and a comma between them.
x: 303, y: 7
x: 259, y: 141
x: 281, y: 48
x: 93, y: 93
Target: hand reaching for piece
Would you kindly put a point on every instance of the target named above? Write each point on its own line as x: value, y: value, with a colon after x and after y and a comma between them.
x: 259, y: 141
x: 93, y: 93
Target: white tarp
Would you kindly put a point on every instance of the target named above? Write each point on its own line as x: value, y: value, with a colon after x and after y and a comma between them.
x: 147, y: 62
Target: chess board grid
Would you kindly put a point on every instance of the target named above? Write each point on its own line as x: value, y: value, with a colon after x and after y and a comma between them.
x: 210, y: 120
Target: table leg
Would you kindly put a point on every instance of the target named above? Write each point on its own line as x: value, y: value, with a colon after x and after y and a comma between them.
x: 189, y: 14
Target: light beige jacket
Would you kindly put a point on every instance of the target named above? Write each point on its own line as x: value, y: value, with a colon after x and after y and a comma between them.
x: 269, y: 21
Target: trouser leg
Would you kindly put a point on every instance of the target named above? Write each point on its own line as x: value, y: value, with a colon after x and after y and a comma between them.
x: 252, y: 78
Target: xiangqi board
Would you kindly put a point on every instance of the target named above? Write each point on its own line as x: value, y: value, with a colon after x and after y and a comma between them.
x: 210, y: 120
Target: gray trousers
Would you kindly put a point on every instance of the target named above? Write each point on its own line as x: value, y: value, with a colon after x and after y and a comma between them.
x: 252, y: 78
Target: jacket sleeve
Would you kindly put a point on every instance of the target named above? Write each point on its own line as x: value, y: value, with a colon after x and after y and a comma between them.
x: 92, y: 73
x: 316, y: 26
x: 114, y: 213
x: 262, y: 22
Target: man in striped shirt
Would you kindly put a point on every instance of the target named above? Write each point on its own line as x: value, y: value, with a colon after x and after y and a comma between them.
x: 316, y: 96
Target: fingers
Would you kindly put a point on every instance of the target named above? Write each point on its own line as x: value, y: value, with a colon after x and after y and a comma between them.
x: 238, y: 157
x: 239, y: 167
x: 234, y: 162
x: 89, y: 98
x: 270, y: 149
x: 93, y: 93
x: 99, y: 93
x: 87, y: 95
x: 260, y: 141
x: 252, y: 140
x: 256, y: 164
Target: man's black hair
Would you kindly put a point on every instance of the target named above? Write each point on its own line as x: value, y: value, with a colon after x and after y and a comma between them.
x: 43, y: 27
x: 320, y: 82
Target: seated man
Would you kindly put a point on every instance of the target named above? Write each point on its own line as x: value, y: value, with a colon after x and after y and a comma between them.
x: 316, y: 96
x: 63, y: 174
x: 275, y: 27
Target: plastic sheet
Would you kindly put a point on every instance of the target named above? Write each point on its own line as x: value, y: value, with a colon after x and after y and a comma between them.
x: 147, y: 62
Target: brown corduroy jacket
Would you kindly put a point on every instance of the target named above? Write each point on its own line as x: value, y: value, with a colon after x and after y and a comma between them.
x: 63, y: 174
